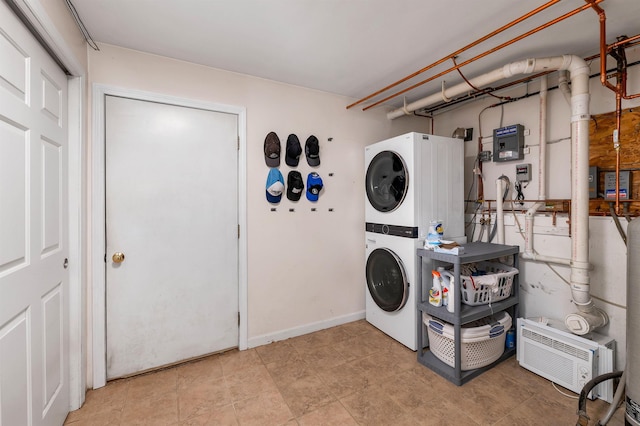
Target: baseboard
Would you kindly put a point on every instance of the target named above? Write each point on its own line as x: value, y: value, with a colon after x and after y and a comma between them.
x: 265, y: 339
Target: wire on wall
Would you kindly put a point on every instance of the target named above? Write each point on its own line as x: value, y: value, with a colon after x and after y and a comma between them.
x: 80, y: 24
x: 487, y: 90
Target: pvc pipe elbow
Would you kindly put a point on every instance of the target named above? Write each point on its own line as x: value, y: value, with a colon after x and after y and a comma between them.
x: 581, y: 323
x: 532, y: 210
x: 575, y: 65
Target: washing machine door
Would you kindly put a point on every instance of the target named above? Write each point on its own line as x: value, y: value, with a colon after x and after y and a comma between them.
x: 387, y: 280
x: 387, y: 181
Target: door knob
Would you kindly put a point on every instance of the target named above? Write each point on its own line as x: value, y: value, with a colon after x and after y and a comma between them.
x: 118, y: 257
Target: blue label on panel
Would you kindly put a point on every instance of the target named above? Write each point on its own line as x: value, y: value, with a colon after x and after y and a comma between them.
x: 510, y: 130
x: 611, y: 194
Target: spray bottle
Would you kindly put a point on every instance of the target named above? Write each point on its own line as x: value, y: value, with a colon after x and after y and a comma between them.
x: 435, y: 294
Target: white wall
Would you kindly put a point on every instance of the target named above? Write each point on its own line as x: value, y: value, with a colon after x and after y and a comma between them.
x: 305, y: 269
x: 63, y: 20
x: 544, y: 292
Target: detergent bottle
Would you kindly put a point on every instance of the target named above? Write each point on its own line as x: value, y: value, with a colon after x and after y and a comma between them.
x: 444, y: 282
x: 435, y: 294
x: 449, y: 279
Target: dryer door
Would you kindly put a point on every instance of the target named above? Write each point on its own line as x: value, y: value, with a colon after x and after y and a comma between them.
x: 387, y: 181
x: 387, y: 280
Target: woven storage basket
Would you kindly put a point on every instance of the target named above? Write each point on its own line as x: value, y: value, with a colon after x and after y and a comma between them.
x: 495, y: 285
x: 482, y: 340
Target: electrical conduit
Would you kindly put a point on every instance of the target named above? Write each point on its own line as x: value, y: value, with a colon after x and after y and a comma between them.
x: 589, y: 317
x: 499, y: 210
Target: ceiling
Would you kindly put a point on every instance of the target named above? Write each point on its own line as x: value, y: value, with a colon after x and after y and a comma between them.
x: 349, y: 47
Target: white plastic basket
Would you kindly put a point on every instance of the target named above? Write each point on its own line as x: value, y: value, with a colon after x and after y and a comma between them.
x: 482, y: 340
x: 495, y: 285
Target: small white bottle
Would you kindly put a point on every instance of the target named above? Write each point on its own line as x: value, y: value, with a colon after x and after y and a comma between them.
x: 444, y: 276
x: 451, y: 294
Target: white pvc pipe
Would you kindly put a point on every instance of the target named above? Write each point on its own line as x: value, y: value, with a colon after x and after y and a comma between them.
x: 528, y: 227
x: 549, y: 259
x: 526, y: 66
x: 542, y: 158
x: 542, y: 173
x: 499, y: 211
x: 588, y: 317
x: 563, y: 85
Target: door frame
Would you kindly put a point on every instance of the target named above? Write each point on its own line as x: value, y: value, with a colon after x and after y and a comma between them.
x: 38, y: 18
x: 98, y: 219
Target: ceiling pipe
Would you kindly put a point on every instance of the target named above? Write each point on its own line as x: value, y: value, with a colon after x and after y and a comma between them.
x: 457, y: 52
x: 588, y: 316
x: 476, y: 94
x: 526, y: 66
x: 482, y: 55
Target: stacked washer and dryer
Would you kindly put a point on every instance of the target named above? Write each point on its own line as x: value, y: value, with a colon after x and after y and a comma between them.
x: 410, y: 180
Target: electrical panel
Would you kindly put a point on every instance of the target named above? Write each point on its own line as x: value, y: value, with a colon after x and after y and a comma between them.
x: 523, y: 172
x: 508, y: 143
x: 610, y: 185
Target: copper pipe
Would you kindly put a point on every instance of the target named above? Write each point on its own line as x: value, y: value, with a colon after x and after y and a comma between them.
x: 488, y: 92
x: 604, y: 51
x: 620, y: 89
x: 637, y: 95
x: 618, y: 46
x: 488, y: 52
x: 616, y: 144
x: 457, y: 52
x: 623, y: 42
x: 592, y: 57
x: 621, y: 74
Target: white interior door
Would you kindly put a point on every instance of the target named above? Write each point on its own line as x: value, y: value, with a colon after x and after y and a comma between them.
x: 172, y: 210
x: 34, y: 294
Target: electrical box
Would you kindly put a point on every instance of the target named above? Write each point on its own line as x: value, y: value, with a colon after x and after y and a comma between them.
x: 523, y: 172
x: 593, y: 182
x: 484, y: 156
x: 610, y: 185
x: 508, y: 143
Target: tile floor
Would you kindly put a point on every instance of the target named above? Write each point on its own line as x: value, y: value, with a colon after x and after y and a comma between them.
x: 352, y: 374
